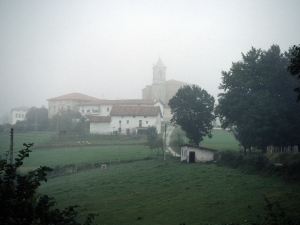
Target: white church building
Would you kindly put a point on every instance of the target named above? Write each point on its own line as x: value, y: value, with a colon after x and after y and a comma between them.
x: 162, y: 89
x: 127, y: 120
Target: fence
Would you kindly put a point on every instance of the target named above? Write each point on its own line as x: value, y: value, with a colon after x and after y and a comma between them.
x: 282, y: 149
x: 73, y: 168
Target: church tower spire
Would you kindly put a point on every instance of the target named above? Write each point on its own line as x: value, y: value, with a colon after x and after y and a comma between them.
x: 159, y: 72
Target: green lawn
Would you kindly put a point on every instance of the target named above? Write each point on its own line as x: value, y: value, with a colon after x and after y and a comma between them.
x: 221, y: 140
x: 145, y: 193
x: 20, y: 138
x: 85, y: 155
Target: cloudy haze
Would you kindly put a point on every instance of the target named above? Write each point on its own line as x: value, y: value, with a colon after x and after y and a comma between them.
x: 106, y: 49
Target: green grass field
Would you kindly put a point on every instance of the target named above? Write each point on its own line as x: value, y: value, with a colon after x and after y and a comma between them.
x: 142, y: 192
x: 145, y: 193
x: 85, y: 155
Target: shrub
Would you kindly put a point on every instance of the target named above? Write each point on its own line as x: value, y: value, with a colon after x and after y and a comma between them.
x: 20, y: 203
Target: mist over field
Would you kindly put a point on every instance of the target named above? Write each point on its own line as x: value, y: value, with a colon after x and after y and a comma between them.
x: 106, y: 49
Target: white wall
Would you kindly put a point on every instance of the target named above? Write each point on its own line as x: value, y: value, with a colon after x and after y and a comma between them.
x: 201, y: 155
x: 132, y: 124
x: 17, y: 115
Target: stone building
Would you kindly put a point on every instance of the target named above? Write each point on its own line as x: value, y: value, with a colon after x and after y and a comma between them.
x: 68, y: 102
x: 162, y: 89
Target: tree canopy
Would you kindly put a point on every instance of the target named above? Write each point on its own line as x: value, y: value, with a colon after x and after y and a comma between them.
x: 192, y: 109
x: 258, y: 103
x: 294, y: 67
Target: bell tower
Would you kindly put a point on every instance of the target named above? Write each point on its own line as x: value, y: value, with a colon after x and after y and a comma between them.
x: 159, y: 89
x: 159, y: 72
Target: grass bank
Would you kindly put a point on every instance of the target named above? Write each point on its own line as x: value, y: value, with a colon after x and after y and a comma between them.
x: 172, y: 192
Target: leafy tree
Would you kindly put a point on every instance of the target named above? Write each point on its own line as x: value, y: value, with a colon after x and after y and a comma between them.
x: 258, y: 102
x: 20, y: 203
x: 36, y: 119
x: 154, y: 141
x: 68, y: 122
x: 294, y: 67
x: 192, y: 109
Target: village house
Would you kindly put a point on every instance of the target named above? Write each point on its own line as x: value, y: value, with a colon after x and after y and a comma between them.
x: 127, y: 120
x: 192, y: 153
x: 103, y: 107
x: 18, y: 114
x: 68, y: 102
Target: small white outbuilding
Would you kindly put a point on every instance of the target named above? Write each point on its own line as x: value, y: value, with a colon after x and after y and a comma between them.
x: 194, y: 153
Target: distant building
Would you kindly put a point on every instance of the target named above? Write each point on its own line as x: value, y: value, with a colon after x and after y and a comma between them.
x: 103, y: 107
x: 18, y: 114
x: 127, y: 120
x: 161, y: 89
x: 68, y: 102
x: 193, y: 153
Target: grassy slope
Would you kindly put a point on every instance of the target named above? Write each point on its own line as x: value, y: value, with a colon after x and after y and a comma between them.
x: 176, y: 193
x: 20, y: 138
x: 82, y: 155
x: 221, y: 140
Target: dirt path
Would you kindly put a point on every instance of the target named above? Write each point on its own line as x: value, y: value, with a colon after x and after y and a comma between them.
x: 169, y: 149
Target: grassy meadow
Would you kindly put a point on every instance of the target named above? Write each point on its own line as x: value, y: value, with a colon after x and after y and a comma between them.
x: 151, y: 191
x: 145, y: 192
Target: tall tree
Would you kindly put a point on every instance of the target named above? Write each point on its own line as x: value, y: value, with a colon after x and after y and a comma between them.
x: 258, y: 102
x: 192, y: 109
x: 294, y: 67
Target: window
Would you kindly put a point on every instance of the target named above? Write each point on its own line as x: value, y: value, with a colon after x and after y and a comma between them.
x: 127, y: 121
x: 133, y: 116
x: 145, y: 116
x: 16, y: 116
x: 119, y: 121
x: 107, y: 109
x: 146, y: 122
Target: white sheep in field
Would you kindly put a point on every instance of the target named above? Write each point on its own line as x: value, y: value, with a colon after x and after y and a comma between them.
x: 103, y: 167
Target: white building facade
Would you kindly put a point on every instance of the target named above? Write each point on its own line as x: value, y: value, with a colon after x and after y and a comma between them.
x: 18, y: 114
x: 193, y: 153
x: 127, y: 120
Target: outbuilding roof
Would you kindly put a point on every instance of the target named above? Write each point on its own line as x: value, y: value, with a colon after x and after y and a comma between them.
x: 135, y: 111
x: 198, y: 147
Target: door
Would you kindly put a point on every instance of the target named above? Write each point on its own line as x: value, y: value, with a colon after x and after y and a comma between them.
x: 192, y: 157
x: 127, y: 131
x: 140, y: 123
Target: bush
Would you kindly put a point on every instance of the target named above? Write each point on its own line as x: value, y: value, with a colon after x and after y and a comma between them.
x: 20, y: 203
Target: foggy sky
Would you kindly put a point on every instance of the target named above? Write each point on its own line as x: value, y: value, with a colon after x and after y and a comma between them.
x: 106, y: 49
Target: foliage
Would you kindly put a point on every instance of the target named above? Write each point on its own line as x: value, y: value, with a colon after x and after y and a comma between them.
x: 36, y: 120
x: 258, y: 105
x: 20, y: 203
x: 68, y: 122
x: 294, y: 67
x: 192, y: 109
x: 155, y: 141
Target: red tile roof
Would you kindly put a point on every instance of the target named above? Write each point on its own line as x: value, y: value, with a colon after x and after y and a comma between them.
x: 123, y: 102
x: 100, y: 119
x: 176, y: 82
x: 74, y: 96
x: 135, y: 111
